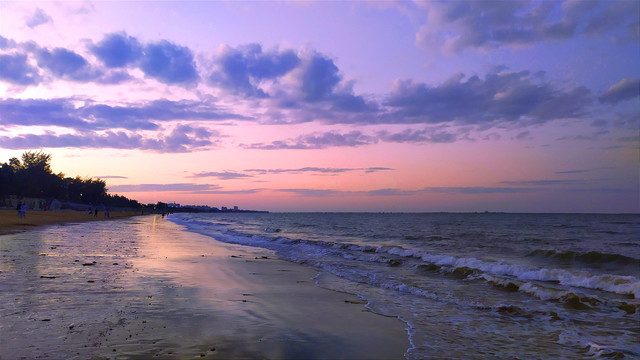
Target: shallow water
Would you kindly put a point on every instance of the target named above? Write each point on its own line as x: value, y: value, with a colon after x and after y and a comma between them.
x: 470, y: 285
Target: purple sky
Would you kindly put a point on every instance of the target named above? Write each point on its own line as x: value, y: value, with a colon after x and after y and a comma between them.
x: 527, y: 106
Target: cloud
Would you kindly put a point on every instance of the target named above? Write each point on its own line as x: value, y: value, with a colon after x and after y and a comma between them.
x: 355, y: 138
x: 473, y: 190
x: 186, y: 138
x: 250, y: 173
x: 633, y: 138
x: 543, y: 182
x: 224, y: 175
x: 227, y: 192
x: 317, y: 141
x: 39, y: 17
x: 499, y: 97
x: 477, y: 190
x: 317, y: 80
x: 626, y: 89
x: 140, y: 116
x: 594, y: 136
x: 66, y: 64
x: 35, y: 112
x: 69, y: 65
x: 470, y: 191
x: 305, y: 81
x: 581, y: 171
x: 117, y: 50
x: 310, y: 169
x: 629, y: 121
x: 6, y: 43
x: 302, y: 86
x: 169, y: 63
x: 340, y: 193
x: 376, y: 169
x: 110, y: 177
x: 91, y: 116
x: 321, y: 170
x: 163, y: 60
x: 114, y: 77
x: 241, y: 70
x: 524, y: 135
x: 392, y: 192
x: 16, y: 70
x: 85, y: 7
x: 308, y: 86
x: 183, y: 138
x: 179, y: 187
x: 184, y: 188
x: 455, y: 26
x: 600, y: 123
x: 313, y: 192
x: 318, y: 77
x: 417, y: 136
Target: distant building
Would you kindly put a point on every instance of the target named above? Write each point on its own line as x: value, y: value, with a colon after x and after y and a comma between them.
x: 235, y: 208
x: 224, y: 208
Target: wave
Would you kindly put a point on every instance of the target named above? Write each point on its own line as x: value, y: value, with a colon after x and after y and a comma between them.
x: 590, y: 349
x: 590, y: 257
x: 318, y: 251
x: 626, y: 285
x: 570, y: 299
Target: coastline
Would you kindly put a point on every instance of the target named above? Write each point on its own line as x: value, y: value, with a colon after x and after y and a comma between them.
x: 146, y: 288
x: 10, y: 223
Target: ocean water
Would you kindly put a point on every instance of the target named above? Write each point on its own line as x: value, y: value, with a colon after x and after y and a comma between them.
x: 469, y: 286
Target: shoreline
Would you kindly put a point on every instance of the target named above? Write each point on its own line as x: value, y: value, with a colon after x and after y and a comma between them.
x: 145, y: 287
x: 10, y: 223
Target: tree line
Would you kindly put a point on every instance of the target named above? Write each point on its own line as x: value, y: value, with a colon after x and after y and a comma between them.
x: 31, y: 176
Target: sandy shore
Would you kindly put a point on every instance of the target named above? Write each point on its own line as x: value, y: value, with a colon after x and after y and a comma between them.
x: 10, y: 222
x: 143, y: 288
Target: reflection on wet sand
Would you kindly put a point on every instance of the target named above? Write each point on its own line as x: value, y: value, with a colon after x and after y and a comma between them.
x: 143, y: 288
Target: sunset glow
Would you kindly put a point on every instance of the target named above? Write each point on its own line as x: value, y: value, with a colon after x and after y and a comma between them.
x: 529, y: 106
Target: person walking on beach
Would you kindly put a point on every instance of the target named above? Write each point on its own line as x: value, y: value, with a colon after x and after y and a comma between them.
x: 95, y: 212
x: 23, y: 212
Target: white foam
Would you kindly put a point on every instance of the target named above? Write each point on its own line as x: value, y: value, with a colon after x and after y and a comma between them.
x: 612, y: 283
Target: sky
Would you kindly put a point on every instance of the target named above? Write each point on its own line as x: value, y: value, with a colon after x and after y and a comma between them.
x: 516, y: 106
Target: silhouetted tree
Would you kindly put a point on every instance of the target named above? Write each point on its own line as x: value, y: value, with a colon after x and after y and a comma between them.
x: 33, y: 177
x: 7, y: 179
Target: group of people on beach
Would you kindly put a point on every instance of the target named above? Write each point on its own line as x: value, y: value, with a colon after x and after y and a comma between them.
x: 94, y: 212
x: 22, y: 209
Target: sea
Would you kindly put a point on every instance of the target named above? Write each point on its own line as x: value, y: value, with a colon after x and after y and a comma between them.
x: 469, y: 285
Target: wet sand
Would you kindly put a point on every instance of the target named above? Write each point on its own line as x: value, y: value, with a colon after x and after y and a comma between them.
x: 10, y: 222
x: 143, y: 288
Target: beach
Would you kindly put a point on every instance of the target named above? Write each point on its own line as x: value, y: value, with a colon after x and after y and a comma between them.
x: 143, y: 287
x: 10, y: 222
